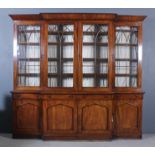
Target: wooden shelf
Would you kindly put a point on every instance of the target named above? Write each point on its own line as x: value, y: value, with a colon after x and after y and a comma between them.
x: 28, y: 59
x: 126, y: 31
x: 64, y: 43
x: 126, y: 75
x: 92, y: 44
x: 94, y: 33
x: 59, y: 32
x: 93, y: 59
x: 29, y: 31
x: 29, y: 74
x: 38, y: 44
x: 134, y: 60
x: 123, y: 44
x: 62, y: 75
x: 29, y: 44
x: 93, y: 75
x: 57, y: 59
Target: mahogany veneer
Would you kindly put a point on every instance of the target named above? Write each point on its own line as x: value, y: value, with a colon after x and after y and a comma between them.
x: 77, y: 112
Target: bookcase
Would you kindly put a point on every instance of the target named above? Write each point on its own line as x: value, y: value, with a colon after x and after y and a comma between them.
x: 77, y: 76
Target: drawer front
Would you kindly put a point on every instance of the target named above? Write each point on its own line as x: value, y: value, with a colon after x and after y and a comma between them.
x: 26, y: 96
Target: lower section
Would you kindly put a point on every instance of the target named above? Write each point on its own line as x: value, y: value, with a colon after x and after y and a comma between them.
x: 77, y: 116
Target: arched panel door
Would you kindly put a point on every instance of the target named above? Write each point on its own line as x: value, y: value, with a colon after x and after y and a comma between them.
x: 59, y: 117
x: 26, y: 120
x: 95, y: 118
x: 128, y: 113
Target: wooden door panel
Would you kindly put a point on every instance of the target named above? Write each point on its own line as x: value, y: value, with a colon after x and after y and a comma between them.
x: 59, y: 116
x: 26, y: 116
x: 127, y: 116
x: 95, y: 116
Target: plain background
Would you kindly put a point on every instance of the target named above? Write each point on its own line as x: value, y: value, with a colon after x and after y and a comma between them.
x: 6, y: 60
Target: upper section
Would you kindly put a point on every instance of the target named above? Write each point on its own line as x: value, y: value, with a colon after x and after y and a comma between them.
x: 78, y: 16
x: 79, y: 53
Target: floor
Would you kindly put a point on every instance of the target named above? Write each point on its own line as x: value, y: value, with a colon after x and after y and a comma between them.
x: 6, y: 140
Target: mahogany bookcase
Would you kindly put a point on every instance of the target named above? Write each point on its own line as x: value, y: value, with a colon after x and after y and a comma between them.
x: 77, y: 76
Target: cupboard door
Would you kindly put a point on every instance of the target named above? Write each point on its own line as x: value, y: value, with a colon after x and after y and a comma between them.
x: 59, y: 117
x: 26, y: 117
x: 95, y: 118
x: 128, y: 118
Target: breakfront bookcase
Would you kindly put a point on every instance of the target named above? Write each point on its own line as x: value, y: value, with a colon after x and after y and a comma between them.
x: 77, y: 76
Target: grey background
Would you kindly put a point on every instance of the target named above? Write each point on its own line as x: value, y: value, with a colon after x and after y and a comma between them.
x: 6, y: 61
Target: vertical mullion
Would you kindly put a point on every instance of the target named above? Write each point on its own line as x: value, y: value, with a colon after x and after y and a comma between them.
x: 97, y: 50
x: 44, y: 55
x: 75, y: 57
x: 139, y: 83
x: 130, y: 77
x: 111, y: 55
x: 80, y: 50
x: 25, y: 60
x: 58, y: 57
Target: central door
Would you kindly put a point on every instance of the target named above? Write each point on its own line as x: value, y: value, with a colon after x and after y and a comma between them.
x: 95, y: 117
x: 95, y: 56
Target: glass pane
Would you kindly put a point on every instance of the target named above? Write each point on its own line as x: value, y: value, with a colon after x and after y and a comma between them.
x: 28, y: 55
x: 126, y: 56
x: 95, y: 55
x: 60, y: 55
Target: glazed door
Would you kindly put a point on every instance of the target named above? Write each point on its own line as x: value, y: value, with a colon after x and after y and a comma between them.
x: 128, y: 56
x: 95, y: 56
x: 27, y: 55
x: 61, y: 56
x: 59, y: 116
